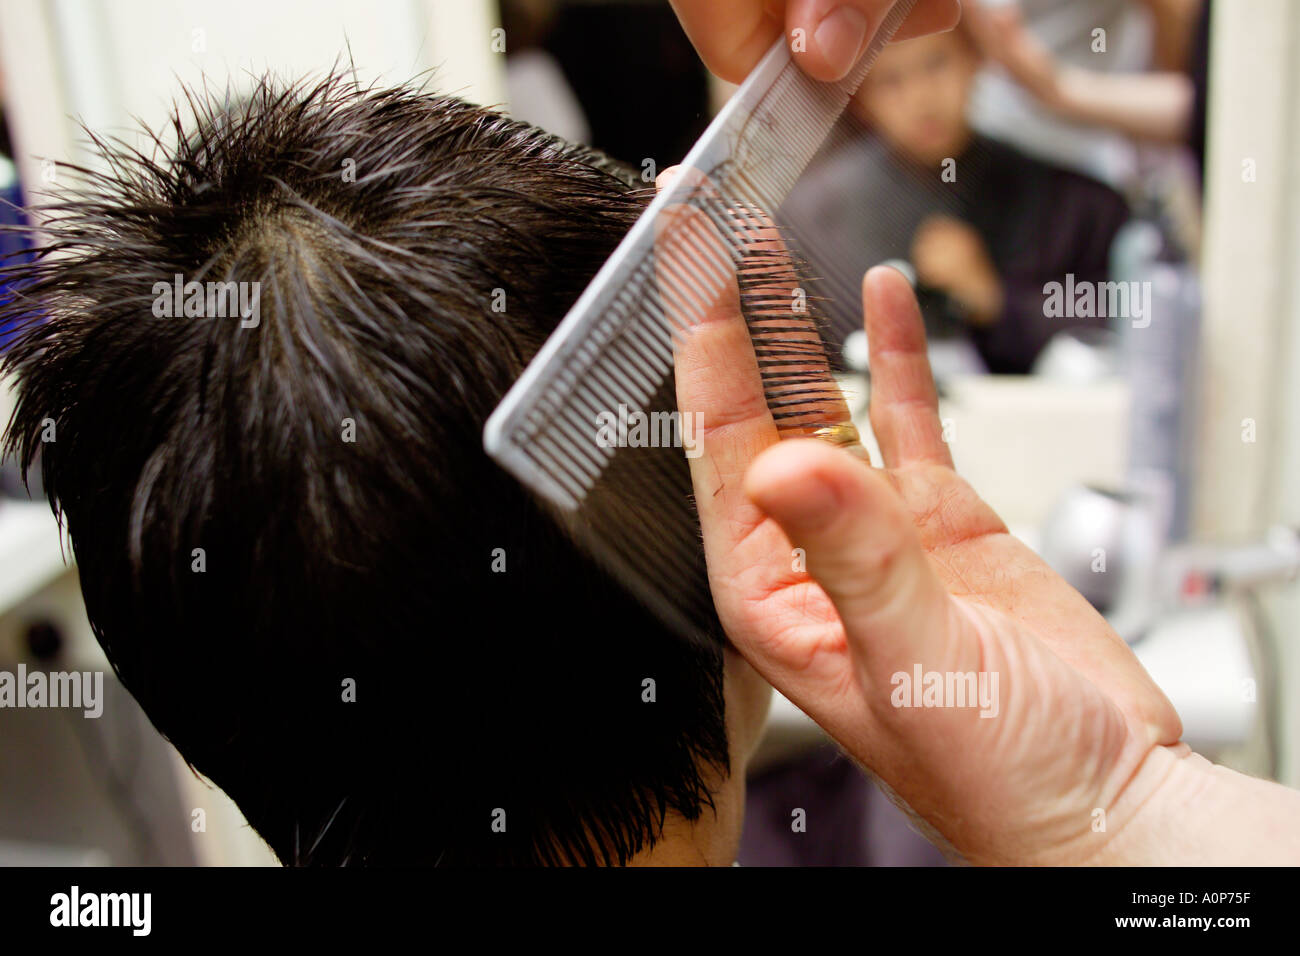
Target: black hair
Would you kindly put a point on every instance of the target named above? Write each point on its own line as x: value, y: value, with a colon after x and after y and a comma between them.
x: 264, y: 513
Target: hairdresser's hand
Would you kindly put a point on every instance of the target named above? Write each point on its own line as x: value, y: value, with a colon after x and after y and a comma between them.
x: 907, y: 568
x: 733, y: 35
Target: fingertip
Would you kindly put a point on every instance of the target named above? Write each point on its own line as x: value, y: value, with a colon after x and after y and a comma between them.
x: 855, y: 529
x: 805, y: 484
x: 883, y: 278
x: 826, y: 40
x: 666, y: 177
x: 786, y: 466
x: 891, y: 313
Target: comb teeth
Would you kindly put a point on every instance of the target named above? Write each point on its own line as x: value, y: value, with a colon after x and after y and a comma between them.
x: 632, y: 506
x: 614, y: 348
x: 627, y: 355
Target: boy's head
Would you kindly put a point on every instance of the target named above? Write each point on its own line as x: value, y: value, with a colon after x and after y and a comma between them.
x: 916, y: 94
x: 292, y: 546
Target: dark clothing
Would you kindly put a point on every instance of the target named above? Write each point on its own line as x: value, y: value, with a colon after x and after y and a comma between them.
x: 846, y: 820
x: 859, y: 204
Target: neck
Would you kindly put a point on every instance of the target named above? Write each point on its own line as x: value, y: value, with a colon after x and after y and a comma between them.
x: 713, y: 839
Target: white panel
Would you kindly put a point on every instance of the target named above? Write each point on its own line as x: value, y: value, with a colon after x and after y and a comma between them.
x: 1252, y: 276
x: 110, y: 62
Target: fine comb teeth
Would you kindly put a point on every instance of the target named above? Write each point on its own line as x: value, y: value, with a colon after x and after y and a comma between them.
x: 629, y: 502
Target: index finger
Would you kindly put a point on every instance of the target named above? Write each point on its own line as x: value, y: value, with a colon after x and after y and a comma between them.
x: 750, y: 382
x: 717, y: 377
x: 904, y: 407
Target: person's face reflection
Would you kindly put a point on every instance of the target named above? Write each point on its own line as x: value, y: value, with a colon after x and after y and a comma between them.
x: 916, y: 94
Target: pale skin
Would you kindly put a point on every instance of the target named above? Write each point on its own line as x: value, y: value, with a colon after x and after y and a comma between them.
x: 732, y: 35
x: 949, y: 254
x: 915, y: 98
x: 1153, y: 106
x: 1083, y: 763
x: 714, y: 839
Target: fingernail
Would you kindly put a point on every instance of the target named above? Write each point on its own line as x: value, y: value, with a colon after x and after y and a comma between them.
x: 839, y: 37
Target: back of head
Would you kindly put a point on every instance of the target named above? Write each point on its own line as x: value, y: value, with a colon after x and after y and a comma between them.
x: 292, y: 546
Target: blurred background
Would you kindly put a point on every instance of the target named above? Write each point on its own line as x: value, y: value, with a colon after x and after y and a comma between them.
x: 1094, y: 199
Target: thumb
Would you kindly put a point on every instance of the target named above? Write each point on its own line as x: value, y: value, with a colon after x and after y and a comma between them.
x: 863, y: 551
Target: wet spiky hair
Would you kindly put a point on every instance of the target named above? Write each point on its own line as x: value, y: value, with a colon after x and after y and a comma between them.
x: 244, y: 561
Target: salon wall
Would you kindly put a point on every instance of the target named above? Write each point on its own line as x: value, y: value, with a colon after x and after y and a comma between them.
x: 1251, y: 348
x: 108, y: 62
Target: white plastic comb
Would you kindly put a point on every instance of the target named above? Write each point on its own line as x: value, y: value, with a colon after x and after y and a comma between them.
x: 755, y: 150
x: 614, y: 348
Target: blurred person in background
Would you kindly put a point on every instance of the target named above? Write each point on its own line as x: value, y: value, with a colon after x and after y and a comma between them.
x: 983, y: 225
x: 1107, y: 39
x: 1164, y: 105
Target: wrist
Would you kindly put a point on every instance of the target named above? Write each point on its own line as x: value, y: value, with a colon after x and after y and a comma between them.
x: 1057, y: 91
x: 1153, y: 819
x: 1180, y: 809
